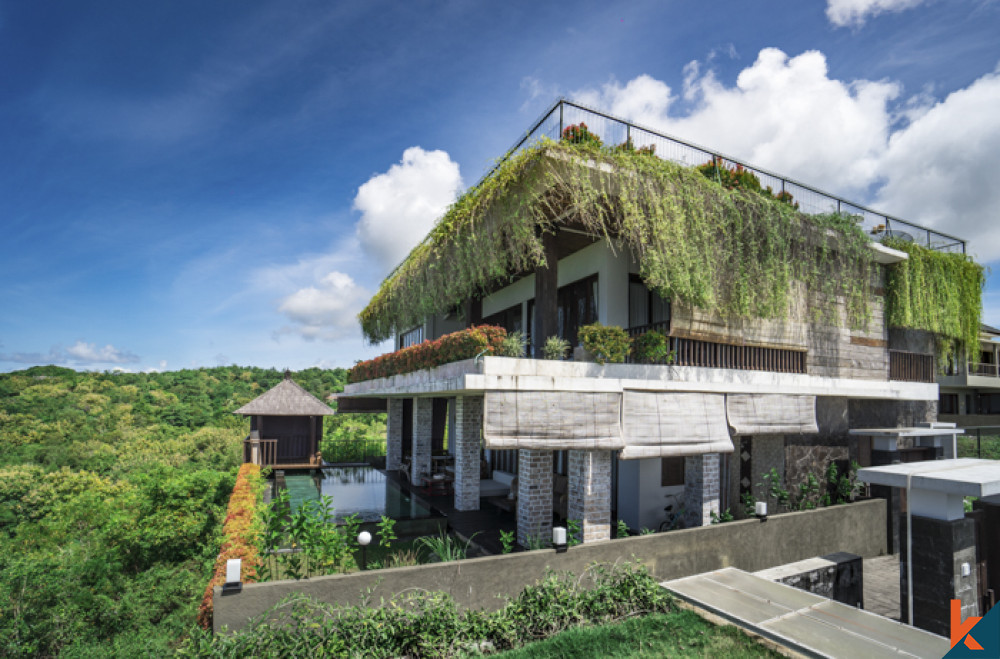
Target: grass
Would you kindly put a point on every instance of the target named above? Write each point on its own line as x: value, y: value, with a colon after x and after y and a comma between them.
x: 677, y: 634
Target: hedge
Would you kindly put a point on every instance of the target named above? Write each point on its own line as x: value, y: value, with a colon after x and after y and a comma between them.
x: 464, y: 344
x: 239, y: 535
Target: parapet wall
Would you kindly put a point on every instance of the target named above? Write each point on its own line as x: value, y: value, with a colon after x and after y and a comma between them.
x: 750, y: 545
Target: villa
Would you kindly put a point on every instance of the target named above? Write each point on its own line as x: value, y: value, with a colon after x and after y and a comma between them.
x: 773, y: 297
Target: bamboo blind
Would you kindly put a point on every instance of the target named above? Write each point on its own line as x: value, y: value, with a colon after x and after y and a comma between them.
x: 661, y: 424
x: 554, y: 420
x: 771, y: 414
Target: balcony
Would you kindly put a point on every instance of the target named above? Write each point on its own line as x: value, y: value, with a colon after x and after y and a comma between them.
x: 615, y: 131
x: 985, y: 370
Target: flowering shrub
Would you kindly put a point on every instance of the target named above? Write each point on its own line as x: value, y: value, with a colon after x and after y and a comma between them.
x: 240, y: 533
x: 464, y: 344
x: 739, y: 177
x: 580, y: 134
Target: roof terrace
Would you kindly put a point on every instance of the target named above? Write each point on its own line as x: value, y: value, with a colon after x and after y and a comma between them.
x: 614, y: 131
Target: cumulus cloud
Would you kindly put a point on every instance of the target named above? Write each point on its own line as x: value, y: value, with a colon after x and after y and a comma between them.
x: 88, y: 353
x: 326, y: 310
x: 399, y: 207
x: 843, y: 13
x: 80, y: 353
x: 784, y: 113
x: 936, y: 168
x: 918, y: 158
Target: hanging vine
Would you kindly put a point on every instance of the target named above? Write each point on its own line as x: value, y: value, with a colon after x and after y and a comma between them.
x: 939, y: 292
x: 734, y: 252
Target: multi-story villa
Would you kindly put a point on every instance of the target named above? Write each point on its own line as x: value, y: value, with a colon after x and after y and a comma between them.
x: 772, y: 295
x: 970, y: 390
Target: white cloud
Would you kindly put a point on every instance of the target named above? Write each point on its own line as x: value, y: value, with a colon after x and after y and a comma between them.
x: 783, y: 113
x: 80, y: 353
x: 938, y: 172
x: 919, y: 158
x: 854, y: 12
x: 88, y: 353
x: 327, y: 310
x: 399, y: 207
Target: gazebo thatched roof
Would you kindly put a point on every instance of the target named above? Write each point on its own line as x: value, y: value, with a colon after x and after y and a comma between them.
x: 286, y: 399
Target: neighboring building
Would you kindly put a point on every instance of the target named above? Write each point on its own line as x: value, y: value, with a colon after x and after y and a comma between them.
x: 970, y: 391
x: 742, y: 397
x: 286, y: 427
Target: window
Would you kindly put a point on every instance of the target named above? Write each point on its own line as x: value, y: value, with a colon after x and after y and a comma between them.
x: 412, y: 337
x: 671, y: 471
x: 645, y: 307
x: 509, y: 319
x: 948, y: 404
x: 577, y: 307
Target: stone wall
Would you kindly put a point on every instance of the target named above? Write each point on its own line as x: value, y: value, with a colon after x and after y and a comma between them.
x: 858, y: 528
x: 701, y: 489
x: 590, y: 493
x: 838, y: 576
x: 534, y: 496
x: 467, y: 433
x: 394, y: 434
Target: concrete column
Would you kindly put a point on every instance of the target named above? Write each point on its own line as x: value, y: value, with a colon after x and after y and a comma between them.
x: 701, y: 489
x: 394, y: 434
x: 466, y: 433
x: 534, y: 496
x: 590, y: 493
x: 423, y: 415
x: 943, y: 550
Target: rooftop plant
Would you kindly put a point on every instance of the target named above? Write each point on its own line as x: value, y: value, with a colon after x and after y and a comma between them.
x: 940, y: 292
x: 731, y: 251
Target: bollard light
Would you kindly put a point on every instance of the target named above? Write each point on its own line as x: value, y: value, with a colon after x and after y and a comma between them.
x: 364, y: 539
x: 233, y: 583
x: 559, y: 538
x: 760, y: 509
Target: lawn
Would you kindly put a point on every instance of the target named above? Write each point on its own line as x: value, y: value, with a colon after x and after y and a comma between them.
x: 677, y: 634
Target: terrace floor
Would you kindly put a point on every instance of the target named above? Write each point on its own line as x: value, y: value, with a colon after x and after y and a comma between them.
x: 482, y: 526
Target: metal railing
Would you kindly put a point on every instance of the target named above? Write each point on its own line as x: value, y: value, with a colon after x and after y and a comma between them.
x: 911, y: 366
x: 980, y: 442
x: 712, y: 354
x: 989, y: 370
x: 352, y: 451
x: 615, y: 131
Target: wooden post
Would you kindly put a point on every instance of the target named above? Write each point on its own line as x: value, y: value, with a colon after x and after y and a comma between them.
x: 546, y: 295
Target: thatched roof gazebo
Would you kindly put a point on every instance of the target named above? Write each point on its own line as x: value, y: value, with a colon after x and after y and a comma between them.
x: 286, y: 425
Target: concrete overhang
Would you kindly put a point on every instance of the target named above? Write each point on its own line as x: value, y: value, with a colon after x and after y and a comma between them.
x: 471, y: 377
x: 887, y: 255
x: 967, y: 477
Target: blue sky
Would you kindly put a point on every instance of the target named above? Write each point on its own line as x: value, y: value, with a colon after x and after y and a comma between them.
x: 190, y: 184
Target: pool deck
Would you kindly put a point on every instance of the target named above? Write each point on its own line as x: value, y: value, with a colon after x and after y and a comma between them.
x: 482, y: 526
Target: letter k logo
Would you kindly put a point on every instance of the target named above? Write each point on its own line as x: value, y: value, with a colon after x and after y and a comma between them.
x: 960, y: 629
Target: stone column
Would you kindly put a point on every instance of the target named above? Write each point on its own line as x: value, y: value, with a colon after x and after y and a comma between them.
x: 534, y: 496
x: 466, y: 433
x: 394, y: 434
x: 590, y: 493
x: 942, y: 551
x: 701, y: 489
x: 423, y: 414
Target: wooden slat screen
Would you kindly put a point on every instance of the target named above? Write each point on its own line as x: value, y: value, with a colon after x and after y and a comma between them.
x: 911, y: 366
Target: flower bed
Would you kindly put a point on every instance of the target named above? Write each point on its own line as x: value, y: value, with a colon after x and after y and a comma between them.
x: 464, y: 344
x: 239, y: 535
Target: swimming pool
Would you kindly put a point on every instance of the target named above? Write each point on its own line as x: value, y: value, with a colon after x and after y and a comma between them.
x: 362, y: 491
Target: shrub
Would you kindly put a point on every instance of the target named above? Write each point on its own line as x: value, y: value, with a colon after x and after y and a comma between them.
x: 513, y: 345
x: 580, y: 134
x: 555, y: 348
x: 652, y: 347
x: 240, y: 534
x: 464, y: 344
x: 606, y: 344
x: 739, y: 177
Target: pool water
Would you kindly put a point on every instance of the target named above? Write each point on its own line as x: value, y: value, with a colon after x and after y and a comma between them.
x: 362, y: 491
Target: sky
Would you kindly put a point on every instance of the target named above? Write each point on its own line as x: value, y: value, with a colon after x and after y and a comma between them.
x: 188, y: 184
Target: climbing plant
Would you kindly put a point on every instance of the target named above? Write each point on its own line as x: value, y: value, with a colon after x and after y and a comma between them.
x: 735, y: 252
x: 940, y: 292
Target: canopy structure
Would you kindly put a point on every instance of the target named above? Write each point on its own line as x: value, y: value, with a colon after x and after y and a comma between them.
x: 553, y: 420
x: 286, y: 399
x: 771, y: 414
x: 663, y: 424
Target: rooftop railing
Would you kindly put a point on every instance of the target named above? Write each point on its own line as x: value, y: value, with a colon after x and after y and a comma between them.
x: 614, y: 131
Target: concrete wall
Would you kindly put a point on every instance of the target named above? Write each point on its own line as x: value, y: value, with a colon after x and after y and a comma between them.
x: 750, y: 545
x: 641, y: 498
